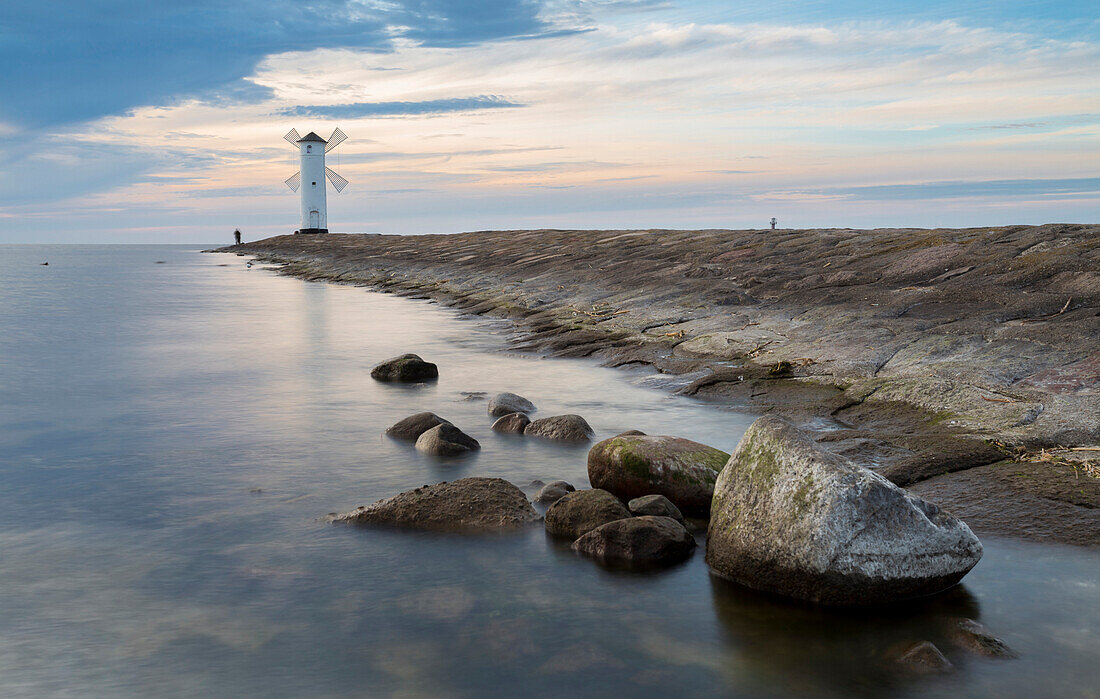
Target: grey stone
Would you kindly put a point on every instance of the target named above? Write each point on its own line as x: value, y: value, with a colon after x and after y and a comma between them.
x: 507, y: 403
x: 514, y: 423
x: 791, y: 518
x: 925, y: 658
x: 680, y: 469
x: 561, y: 428
x: 553, y: 491
x: 578, y: 513
x: 446, y: 440
x: 974, y: 637
x: 464, y: 505
x: 414, y: 425
x: 405, y: 368
x: 631, y: 433
x: 638, y: 542
x: 656, y: 506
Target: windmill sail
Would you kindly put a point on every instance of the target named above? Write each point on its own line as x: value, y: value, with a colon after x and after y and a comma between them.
x: 335, y: 139
x: 294, y: 181
x: 292, y: 137
x: 338, y: 182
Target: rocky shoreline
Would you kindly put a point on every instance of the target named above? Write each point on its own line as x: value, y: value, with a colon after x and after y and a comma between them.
x: 961, y: 364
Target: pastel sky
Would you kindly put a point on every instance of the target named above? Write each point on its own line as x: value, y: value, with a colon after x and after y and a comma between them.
x: 137, y: 121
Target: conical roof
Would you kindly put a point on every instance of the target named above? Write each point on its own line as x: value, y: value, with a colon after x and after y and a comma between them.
x: 312, y: 137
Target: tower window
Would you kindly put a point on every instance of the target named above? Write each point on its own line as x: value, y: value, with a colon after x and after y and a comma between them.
x: 314, y: 184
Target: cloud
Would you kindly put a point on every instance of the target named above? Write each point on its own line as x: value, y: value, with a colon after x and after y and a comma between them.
x: 379, y: 109
x: 925, y: 191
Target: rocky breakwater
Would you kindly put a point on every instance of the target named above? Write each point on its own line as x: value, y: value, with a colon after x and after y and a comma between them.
x: 791, y: 518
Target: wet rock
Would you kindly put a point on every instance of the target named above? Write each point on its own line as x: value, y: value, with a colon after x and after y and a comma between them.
x: 680, y: 469
x: 974, y: 637
x: 925, y: 658
x: 655, y: 506
x: 631, y: 433
x: 414, y: 425
x: 578, y: 513
x: 561, y: 428
x: 553, y: 491
x: 514, y: 423
x: 507, y: 403
x: 464, y: 505
x: 791, y: 518
x: 406, y: 368
x: 446, y: 440
x: 642, y: 542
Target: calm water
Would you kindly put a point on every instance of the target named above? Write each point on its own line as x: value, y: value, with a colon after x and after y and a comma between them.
x: 171, y: 434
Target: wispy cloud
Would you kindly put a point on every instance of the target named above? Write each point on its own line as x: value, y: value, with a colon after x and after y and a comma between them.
x: 380, y: 109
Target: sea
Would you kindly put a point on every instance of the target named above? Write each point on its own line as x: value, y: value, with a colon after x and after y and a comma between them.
x: 176, y: 426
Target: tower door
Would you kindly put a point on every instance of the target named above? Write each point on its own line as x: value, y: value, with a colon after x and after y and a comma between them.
x: 314, y: 219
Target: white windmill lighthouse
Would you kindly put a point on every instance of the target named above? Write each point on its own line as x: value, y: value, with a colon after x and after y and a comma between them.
x: 311, y: 177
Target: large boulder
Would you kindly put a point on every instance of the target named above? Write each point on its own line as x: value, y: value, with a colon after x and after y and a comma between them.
x: 446, y: 440
x: 414, y: 425
x: 654, y: 506
x: 513, y: 423
x: 791, y: 518
x: 638, y: 542
x: 508, y: 403
x: 561, y: 428
x: 465, y: 505
x: 553, y: 491
x: 578, y: 513
x: 635, y: 465
x: 406, y: 368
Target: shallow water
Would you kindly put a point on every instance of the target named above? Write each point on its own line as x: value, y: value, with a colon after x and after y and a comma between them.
x: 172, y: 434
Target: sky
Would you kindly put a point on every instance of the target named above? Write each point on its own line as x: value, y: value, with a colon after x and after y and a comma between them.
x: 128, y: 121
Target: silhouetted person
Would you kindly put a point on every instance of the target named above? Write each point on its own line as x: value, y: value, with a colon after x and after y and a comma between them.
x: 237, y: 236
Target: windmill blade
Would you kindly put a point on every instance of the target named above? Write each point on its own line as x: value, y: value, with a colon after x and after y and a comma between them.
x: 294, y: 181
x: 335, y: 139
x: 338, y: 182
x: 292, y: 137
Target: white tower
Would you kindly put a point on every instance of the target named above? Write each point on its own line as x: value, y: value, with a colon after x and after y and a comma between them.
x: 311, y: 177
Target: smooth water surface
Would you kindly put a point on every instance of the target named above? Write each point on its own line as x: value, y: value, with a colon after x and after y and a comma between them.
x: 175, y: 426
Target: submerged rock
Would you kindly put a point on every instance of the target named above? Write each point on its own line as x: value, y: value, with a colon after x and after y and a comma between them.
x: 554, y: 491
x: 578, y: 513
x: 561, y: 428
x: 515, y: 423
x: 924, y: 658
x: 974, y: 637
x: 680, y: 469
x: 414, y: 425
x: 446, y: 440
x: 406, y: 368
x: 642, y: 542
x: 507, y: 403
x: 791, y: 518
x: 656, y: 506
x: 464, y: 505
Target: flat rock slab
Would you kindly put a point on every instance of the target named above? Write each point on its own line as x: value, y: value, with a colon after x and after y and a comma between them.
x: 638, y: 542
x: 636, y: 465
x: 793, y: 519
x: 575, y: 514
x: 466, y: 505
x: 407, y: 368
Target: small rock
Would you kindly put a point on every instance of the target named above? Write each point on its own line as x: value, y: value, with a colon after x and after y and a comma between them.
x: 464, y: 505
x: 413, y: 426
x: 446, y: 440
x: 578, y: 513
x: 680, y: 469
x: 925, y: 658
x: 643, y: 542
x: 536, y: 483
x: 656, y: 506
x: 553, y: 491
x: 406, y: 368
x: 631, y: 433
x: 561, y: 428
x: 507, y: 403
x: 793, y: 519
x: 974, y: 637
x: 514, y: 423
